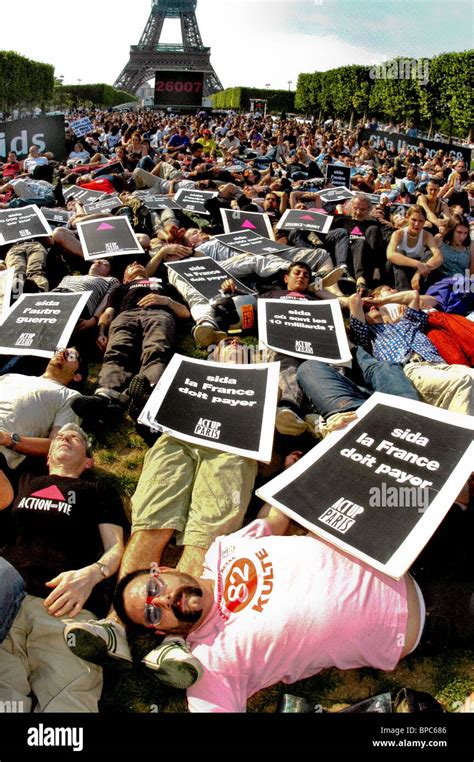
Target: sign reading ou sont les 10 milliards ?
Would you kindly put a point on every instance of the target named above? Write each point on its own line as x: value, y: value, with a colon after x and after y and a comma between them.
x: 203, y: 274
x: 397, y: 471
x: 38, y: 324
x: 22, y: 224
x: 108, y: 237
x: 218, y: 405
x: 311, y: 330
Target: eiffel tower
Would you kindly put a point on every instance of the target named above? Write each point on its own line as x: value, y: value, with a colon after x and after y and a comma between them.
x: 150, y: 55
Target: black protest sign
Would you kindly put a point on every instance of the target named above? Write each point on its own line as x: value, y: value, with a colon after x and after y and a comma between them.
x: 81, y: 127
x: 338, y: 175
x: 333, y: 195
x: 311, y: 330
x: 114, y: 168
x: 399, y: 141
x: 194, y: 200
x: 251, y: 243
x: 6, y: 285
x: 22, y: 224
x: 305, y: 219
x: 222, y: 406
x: 154, y: 202
x: 234, y: 220
x: 205, y: 275
x: 84, y: 195
x: 46, y: 132
x: 58, y: 217
x: 108, y: 237
x: 372, y: 198
x: 38, y: 324
x: 388, y: 481
x: 103, y: 205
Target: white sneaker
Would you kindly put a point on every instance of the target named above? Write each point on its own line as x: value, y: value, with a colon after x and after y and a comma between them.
x: 97, y: 640
x: 174, y: 663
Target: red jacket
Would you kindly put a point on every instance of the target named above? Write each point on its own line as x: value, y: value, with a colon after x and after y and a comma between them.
x: 453, y: 337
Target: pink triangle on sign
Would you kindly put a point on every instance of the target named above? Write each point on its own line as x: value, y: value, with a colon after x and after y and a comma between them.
x: 52, y: 493
x: 356, y: 231
x: 104, y: 226
x: 307, y: 217
x: 248, y: 224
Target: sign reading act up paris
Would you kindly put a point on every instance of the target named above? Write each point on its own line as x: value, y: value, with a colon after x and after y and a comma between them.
x: 379, y: 488
x: 219, y: 405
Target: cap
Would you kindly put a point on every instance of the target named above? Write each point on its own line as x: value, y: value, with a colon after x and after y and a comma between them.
x: 206, y: 132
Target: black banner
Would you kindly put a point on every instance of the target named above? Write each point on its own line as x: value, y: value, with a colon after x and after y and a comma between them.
x: 333, y: 195
x: 58, y: 217
x: 46, y: 132
x: 398, y: 140
x: 38, y: 324
x: 223, y: 406
x: 22, y: 224
x: 205, y: 275
x: 107, y: 237
x: 251, y: 243
x: 311, y: 330
x: 102, y: 205
x: 305, y: 219
x: 398, y: 472
x: 155, y: 202
x: 84, y: 195
x: 338, y: 175
x: 193, y: 200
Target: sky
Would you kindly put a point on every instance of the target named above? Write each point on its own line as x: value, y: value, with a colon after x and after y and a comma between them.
x: 257, y: 43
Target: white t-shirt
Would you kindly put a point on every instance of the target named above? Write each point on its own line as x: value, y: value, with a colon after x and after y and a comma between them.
x: 31, y: 406
x: 286, y: 608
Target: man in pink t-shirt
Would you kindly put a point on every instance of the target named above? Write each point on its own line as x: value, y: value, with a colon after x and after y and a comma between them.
x: 270, y: 608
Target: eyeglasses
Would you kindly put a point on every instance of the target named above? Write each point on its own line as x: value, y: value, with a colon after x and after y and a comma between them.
x: 71, y: 354
x: 155, y: 586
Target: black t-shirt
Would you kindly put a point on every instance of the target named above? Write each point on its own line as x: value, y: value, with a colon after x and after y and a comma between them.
x: 56, y: 528
x: 283, y: 293
x: 355, y: 228
x: 126, y: 296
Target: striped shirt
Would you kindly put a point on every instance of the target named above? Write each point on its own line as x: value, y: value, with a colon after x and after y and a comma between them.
x: 100, y: 287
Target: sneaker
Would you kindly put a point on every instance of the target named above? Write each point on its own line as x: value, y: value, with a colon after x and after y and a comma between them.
x: 288, y: 422
x: 139, y: 393
x: 174, y: 663
x: 206, y: 334
x: 330, y: 277
x: 98, y: 410
x: 97, y: 640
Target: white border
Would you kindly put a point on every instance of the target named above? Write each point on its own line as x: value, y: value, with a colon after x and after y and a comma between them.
x: 6, y: 277
x: 80, y: 299
x: 205, y: 195
x: 415, y: 541
x: 264, y: 451
x: 327, y: 222
x: 340, y: 331
x: 82, y: 225
x: 47, y: 230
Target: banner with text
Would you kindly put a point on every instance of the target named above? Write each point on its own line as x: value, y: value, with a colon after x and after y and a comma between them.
x: 334, y: 195
x: 251, y: 243
x: 399, y: 140
x: 305, y: 219
x: 46, y: 132
x: 81, y: 127
x: 108, y: 237
x: 311, y: 330
x: 393, y: 475
x: 194, y: 200
x: 38, y: 324
x: 205, y: 275
x: 338, y: 176
x: 22, y: 224
x: 223, y: 406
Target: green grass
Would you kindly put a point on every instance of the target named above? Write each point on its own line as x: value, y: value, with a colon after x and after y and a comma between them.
x: 450, y: 678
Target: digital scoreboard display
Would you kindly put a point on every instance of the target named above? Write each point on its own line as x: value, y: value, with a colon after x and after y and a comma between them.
x: 178, y: 88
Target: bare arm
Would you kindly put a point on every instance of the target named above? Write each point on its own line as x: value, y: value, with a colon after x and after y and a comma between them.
x: 6, y: 491
x: 26, y: 445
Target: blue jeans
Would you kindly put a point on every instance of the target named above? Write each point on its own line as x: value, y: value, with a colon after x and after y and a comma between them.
x: 12, y: 592
x: 330, y: 392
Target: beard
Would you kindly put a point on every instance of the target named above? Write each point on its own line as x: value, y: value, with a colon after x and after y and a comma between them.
x: 182, y: 596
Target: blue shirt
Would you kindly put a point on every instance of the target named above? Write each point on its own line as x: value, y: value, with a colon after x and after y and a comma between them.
x: 396, y: 342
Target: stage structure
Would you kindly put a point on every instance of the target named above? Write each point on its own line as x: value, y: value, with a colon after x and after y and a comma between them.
x: 150, y: 58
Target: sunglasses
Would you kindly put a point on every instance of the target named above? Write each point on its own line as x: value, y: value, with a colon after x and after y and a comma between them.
x: 71, y: 354
x: 155, y: 586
